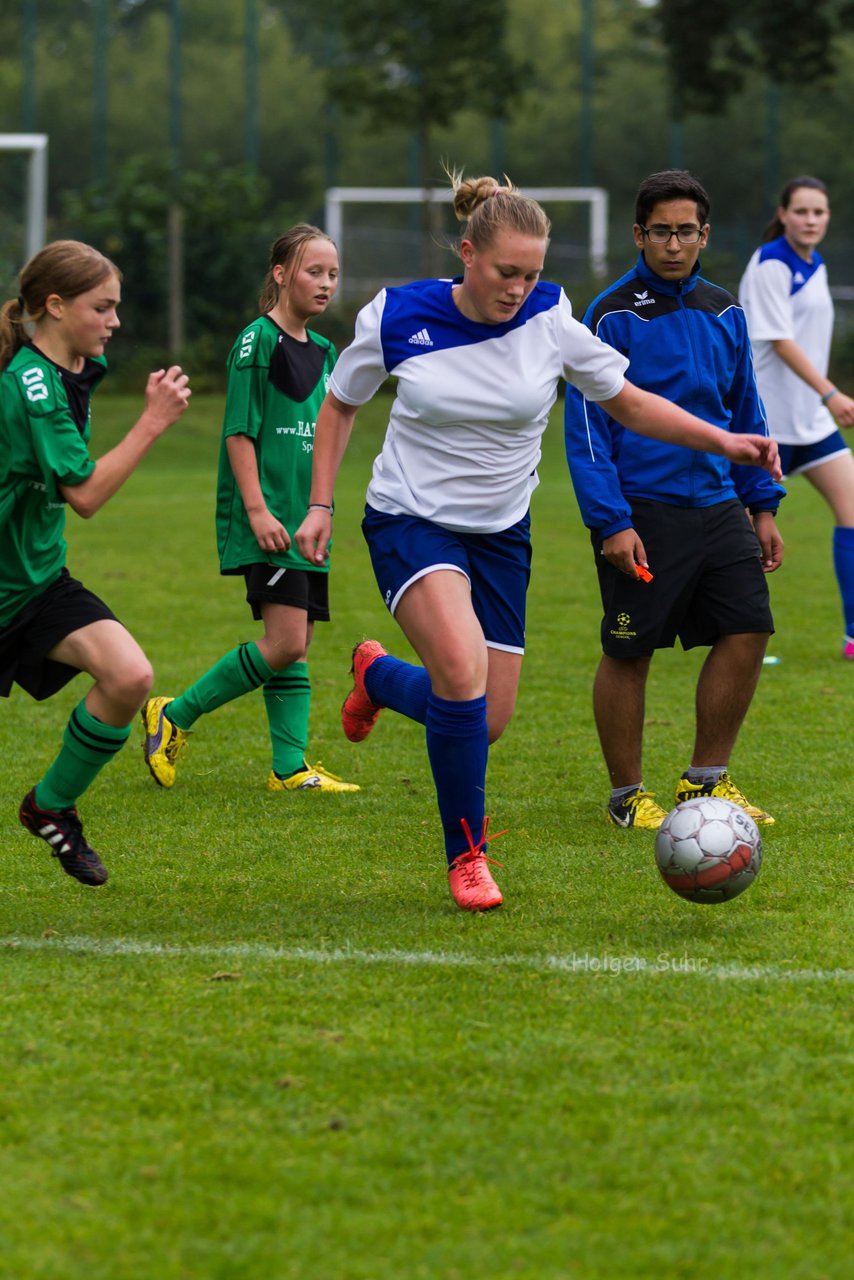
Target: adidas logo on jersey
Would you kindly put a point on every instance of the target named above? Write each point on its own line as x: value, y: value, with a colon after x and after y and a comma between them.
x: 421, y: 339
x: 644, y: 300
x: 799, y: 278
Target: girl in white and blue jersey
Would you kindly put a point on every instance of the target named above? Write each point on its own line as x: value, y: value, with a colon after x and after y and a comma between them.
x: 786, y: 299
x: 477, y: 361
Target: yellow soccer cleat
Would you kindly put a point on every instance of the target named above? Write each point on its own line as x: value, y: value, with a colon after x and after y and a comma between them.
x: 163, y: 742
x: 312, y: 778
x: 638, y: 809
x: 727, y: 790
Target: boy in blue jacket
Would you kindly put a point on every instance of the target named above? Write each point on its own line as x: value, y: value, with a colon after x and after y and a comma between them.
x: 679, y: 515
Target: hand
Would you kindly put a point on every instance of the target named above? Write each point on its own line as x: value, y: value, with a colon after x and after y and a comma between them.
x: 624, y: 550
x: 312, y: 537
x: 270, y: 532
x: 842, y: 408
x: 757, y: 451
x: 167, y: 394
x: 770, y: 541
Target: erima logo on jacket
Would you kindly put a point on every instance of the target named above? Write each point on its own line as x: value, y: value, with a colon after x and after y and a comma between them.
x: 644, y: 300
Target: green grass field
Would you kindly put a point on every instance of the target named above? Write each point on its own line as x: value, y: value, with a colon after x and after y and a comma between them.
x: 272, y: 1049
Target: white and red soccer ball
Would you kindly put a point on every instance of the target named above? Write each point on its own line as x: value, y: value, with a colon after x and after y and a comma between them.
x: 708, y: 849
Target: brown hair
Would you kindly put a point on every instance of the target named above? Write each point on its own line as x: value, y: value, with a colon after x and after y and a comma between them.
x: 671, y: 184
x: 775, y: 227
x: 64, y: 267
x: 287, y: 251
x: 487, y: 207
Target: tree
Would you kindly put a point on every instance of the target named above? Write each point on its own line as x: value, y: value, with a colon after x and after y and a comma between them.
x: 713, y: 47
x: 419, y: 65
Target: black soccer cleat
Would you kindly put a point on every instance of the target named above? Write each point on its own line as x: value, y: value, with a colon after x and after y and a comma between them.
x: 63, y: 831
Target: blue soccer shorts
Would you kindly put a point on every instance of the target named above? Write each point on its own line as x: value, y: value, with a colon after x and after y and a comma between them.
x: 795, y: 459
x: 497, y: 566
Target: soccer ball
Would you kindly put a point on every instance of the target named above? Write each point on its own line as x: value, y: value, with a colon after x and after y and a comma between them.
x: 708, y: 849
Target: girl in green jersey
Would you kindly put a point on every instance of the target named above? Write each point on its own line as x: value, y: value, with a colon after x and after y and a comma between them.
x: 52, y: 340
x: 277, y: 378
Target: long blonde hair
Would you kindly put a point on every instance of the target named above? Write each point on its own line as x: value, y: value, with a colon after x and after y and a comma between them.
x: 64, y: 267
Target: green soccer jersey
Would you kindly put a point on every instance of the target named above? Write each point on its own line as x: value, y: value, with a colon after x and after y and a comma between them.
x: 44, y: 442
x: 276, y: 386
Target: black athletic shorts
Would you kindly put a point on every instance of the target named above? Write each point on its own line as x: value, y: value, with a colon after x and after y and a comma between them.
x: 64, y: 607
x: 707, y: 581
x: 299, y: 588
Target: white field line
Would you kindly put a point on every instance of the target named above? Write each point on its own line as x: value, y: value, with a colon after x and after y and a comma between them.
x: 573, y: 963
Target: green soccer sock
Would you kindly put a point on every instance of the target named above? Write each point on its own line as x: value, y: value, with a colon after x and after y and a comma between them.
x: 87, y: 745
x: 287, y: 697
x: 240, y: 671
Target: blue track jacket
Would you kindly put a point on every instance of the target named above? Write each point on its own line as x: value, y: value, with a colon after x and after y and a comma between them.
x: 687, y: 341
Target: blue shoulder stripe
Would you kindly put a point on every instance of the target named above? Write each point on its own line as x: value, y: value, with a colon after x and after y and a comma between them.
x: 422, y: 317
x: 781, y: 251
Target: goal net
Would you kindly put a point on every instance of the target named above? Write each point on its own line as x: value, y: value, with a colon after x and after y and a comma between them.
x: 23, y: 203
x: 382, y: 239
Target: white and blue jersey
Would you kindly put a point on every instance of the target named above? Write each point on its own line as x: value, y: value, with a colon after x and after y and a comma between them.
x: 472, y: 401
x: 784, y: 296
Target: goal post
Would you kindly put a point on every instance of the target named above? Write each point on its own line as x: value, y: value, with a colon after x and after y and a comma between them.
x: 35, y: 198
x: 595, y: 197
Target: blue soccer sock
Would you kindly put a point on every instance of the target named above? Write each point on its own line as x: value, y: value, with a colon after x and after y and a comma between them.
x: 843, y: 563
x: 402, y: 686
x: 458, y: 747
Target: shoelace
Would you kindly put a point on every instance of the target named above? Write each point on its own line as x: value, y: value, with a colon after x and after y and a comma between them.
x: 318, y: 768
x: 636, y: 800
x: 467, y: 862
x: 176, y: 744
x: 730, y: 790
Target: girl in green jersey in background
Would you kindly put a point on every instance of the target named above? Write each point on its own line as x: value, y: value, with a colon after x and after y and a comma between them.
x: 52, y: 339
x: 277, y: 378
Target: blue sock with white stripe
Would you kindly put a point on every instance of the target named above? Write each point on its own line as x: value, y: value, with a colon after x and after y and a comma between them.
x: 390, y: 682
x: 843, y: 563
x: 458, y: 748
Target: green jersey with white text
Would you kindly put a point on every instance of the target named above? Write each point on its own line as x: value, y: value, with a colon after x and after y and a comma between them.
x: 276, y: 386
x: 44, y: 443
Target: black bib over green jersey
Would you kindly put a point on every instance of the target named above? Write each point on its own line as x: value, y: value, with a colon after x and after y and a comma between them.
x: 276, y: 386
x: 44, y: 439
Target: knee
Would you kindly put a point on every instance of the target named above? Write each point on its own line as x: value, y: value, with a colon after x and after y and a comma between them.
x: 462, y: 676
x: 132, y: 684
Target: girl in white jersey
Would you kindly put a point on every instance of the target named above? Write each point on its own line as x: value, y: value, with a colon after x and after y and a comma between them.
x: 789, y: 312
x: 478, y: 362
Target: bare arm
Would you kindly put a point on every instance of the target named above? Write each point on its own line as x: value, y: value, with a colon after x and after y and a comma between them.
x: 652, y: 415
x: 839, y: 404
x: 770, y: 542
x: 331, y: 433
x: 167, y: 394
x: 269, y: 532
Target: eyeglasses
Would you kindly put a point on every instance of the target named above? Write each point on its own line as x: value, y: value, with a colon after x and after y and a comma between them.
x: 663, y: 235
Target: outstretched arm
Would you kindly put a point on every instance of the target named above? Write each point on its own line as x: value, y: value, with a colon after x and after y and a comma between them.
x: 167, y: 394
x: 652, y: 415
x: 331, y: 433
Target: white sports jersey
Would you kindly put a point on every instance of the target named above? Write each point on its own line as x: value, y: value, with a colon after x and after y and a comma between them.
x: 472, y: 401
x: 785, y: 297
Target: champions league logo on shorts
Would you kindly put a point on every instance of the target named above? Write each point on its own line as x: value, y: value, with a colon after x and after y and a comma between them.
x: 621, y: 631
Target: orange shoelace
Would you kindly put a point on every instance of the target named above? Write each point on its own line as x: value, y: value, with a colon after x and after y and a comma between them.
x: 475, y: 850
